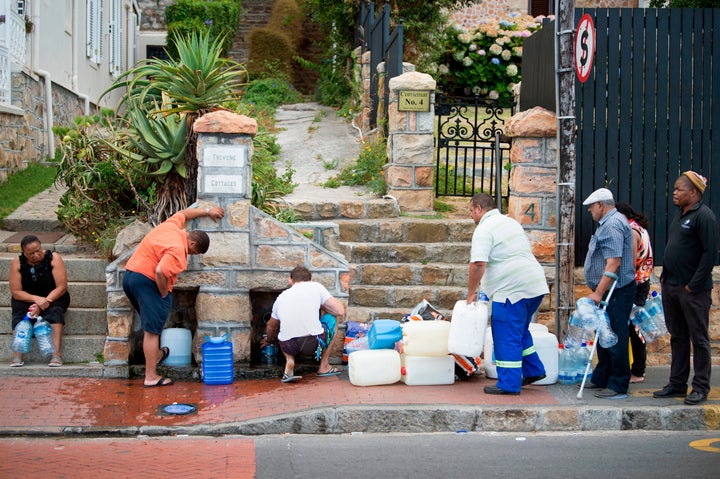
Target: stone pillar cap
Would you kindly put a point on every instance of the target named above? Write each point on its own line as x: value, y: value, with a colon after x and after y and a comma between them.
x: 413, y: 81
x: 224, y: 121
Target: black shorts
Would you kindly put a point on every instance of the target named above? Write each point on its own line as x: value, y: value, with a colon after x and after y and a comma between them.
x: 145, y: 297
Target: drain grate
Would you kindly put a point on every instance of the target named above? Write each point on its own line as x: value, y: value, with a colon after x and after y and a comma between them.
x: 176, y: 409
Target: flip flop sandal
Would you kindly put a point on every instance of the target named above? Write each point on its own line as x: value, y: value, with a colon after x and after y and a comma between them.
x: 332, y: 372
x: 165, y: 353
x: 289, y: 379
x: 17, y: 364
x: 163, y: 381
x: 55, y: 362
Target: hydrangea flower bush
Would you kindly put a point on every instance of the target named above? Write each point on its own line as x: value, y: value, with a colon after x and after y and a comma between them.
x: 485, y: 61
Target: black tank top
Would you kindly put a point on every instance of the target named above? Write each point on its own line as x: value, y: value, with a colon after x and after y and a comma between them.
x: 38, y: 279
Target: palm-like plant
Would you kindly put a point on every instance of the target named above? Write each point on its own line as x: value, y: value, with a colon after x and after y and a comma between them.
x: 195, y: 82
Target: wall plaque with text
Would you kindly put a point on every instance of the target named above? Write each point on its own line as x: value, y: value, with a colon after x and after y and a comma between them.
x: 413, y: 100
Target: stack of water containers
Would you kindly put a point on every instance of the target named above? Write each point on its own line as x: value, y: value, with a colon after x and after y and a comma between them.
x: 380, y: 363
x: 573, y: 362
x: 546, y: 345
x: 425, y: 359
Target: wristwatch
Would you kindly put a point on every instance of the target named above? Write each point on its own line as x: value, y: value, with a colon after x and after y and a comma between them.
x: 207, y: 211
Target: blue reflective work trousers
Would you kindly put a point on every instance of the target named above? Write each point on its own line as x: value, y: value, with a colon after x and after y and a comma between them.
x: 515, y: 355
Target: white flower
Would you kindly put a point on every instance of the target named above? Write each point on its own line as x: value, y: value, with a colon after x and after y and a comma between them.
x: 459, y: 56
x: 472, y: 47
x: 465, y: 37
x: 506, y: 55
x: 496, y: 49
x: 511, y: 70
x: 467, y: 61
x: 443, y: 69
x: 493, y: 95
x: 476, y: 90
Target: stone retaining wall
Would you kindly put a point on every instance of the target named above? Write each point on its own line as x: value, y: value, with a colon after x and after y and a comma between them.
x: 23, y: 133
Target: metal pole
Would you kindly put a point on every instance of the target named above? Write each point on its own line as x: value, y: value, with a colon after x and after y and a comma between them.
x: 565, y: 201
x: 498, y: 172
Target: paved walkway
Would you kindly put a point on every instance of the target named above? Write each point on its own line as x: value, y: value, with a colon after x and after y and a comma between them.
x: 44, y: 405
x: 71, y: 406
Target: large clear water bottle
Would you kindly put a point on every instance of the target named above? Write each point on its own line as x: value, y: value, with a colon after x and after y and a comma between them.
x: 582, y: 357
x: 576, y: 331
x: 566, y: 370
x: 43, y: 333
x: 643, y: 322
x: 268, y: 354
x: 22, y: 336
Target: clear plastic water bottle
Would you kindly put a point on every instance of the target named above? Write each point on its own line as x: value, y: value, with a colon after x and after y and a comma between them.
x: 643, y: 322
x: 43, y: 333
x: 268, y: 354
x: 575, y: 332
x: 566, y: 372
x: 22, y: 335
x: 583, y: 356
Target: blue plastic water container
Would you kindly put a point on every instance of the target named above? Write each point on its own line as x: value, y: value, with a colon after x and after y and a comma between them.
x: 217, y: 361
x: 384, y: 333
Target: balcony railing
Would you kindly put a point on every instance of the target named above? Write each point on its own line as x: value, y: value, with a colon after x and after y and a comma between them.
x: 12, y: 45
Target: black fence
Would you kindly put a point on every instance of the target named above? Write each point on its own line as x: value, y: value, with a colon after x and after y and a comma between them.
x: 647, y: 113
x: 470, y: 147
x: 374, y: 35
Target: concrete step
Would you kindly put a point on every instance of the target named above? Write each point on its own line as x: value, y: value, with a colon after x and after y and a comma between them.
x: 365, y: 314
x: 405, y: 296
x: 424, y: 253
x: 406, y: 230
x: 75, y: 349
x: 319, y: 209
x: 68, y: 370
x: 77, y: 321
x: 66, y: 244
x: 87, y: 269
x: 406, y: 274
x: 82, y: 294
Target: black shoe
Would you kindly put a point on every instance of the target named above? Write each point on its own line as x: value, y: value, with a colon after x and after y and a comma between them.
x: 610, y: 394
x: 532, y: 379
x: 497, y: 390
x: 695, y: 397
x: 669, y: 392
x: 589, y: 385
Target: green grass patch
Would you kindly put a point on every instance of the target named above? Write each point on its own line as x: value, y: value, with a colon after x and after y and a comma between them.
x: 23, y: 185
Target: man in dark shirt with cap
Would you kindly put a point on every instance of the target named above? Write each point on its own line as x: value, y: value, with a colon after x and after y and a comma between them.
x: 686, y: 279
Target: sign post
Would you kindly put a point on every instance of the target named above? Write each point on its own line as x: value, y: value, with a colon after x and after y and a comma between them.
x: 584, y: 47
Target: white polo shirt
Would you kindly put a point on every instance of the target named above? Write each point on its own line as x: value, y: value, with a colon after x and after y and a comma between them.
x: 512, y: 270
x: 298, y: 310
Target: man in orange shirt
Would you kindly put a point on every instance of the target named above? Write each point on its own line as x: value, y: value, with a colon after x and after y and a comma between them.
x: 151, y: 273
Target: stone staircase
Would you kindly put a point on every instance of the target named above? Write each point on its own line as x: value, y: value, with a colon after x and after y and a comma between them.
x: 86, y: 322
x: 397, y: 262
x: 255, y: 14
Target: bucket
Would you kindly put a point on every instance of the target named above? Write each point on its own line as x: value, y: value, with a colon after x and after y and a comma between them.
x: 426, y: 338
x: 373, y: 367
x: 384, y: 333
x: 546, y: 345
x: 427, y: 370
x: 179, y: 341
x: 217, y: 361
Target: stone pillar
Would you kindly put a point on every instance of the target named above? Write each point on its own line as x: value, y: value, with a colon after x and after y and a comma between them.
x: 410, y: 170
x: 533, y: 178
x: 365, y: 107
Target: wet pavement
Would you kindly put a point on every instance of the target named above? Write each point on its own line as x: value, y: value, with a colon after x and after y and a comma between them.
x: 123, y: 407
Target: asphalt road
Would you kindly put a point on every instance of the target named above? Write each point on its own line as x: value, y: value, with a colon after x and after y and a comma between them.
x: 465, y: 455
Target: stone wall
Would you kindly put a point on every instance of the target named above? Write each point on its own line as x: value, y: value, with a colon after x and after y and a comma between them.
x: 473, y: 15
x: 249, y: 252
x: 532, y: 202
x: 23, y: 134
x: 152, y: 14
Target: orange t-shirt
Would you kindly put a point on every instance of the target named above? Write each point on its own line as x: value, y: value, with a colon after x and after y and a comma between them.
x: 165, y: 245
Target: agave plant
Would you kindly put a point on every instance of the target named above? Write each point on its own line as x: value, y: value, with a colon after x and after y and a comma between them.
x: 195, y: 82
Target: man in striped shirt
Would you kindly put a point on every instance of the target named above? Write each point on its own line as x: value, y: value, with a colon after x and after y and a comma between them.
x: 502, y: 262
x: 610, y: 258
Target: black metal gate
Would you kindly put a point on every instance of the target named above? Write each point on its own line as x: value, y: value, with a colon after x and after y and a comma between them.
x: 472, y: 154
x: 647, y: 112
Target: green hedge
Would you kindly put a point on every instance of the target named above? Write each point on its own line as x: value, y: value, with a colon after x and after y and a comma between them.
x: 286, y: 17
x: 271, y: 54
x: 219, y: 17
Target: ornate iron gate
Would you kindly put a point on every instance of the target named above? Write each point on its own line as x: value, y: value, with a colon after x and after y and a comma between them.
x: 472, y: 153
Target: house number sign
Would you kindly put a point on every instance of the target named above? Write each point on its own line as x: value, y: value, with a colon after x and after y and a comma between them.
x: 413, y: 100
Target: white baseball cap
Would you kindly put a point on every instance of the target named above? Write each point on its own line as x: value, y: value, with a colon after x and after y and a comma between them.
x: 601, y: 194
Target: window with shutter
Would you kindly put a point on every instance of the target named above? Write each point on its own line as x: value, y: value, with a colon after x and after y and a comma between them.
x: 94, y: 31
x: 116, y: 38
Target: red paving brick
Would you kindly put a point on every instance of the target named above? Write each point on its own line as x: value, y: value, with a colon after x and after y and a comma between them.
x: 28, y: 403
x: 191, y: 457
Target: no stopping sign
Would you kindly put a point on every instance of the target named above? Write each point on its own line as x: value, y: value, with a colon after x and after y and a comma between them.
x: 584, y: 47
